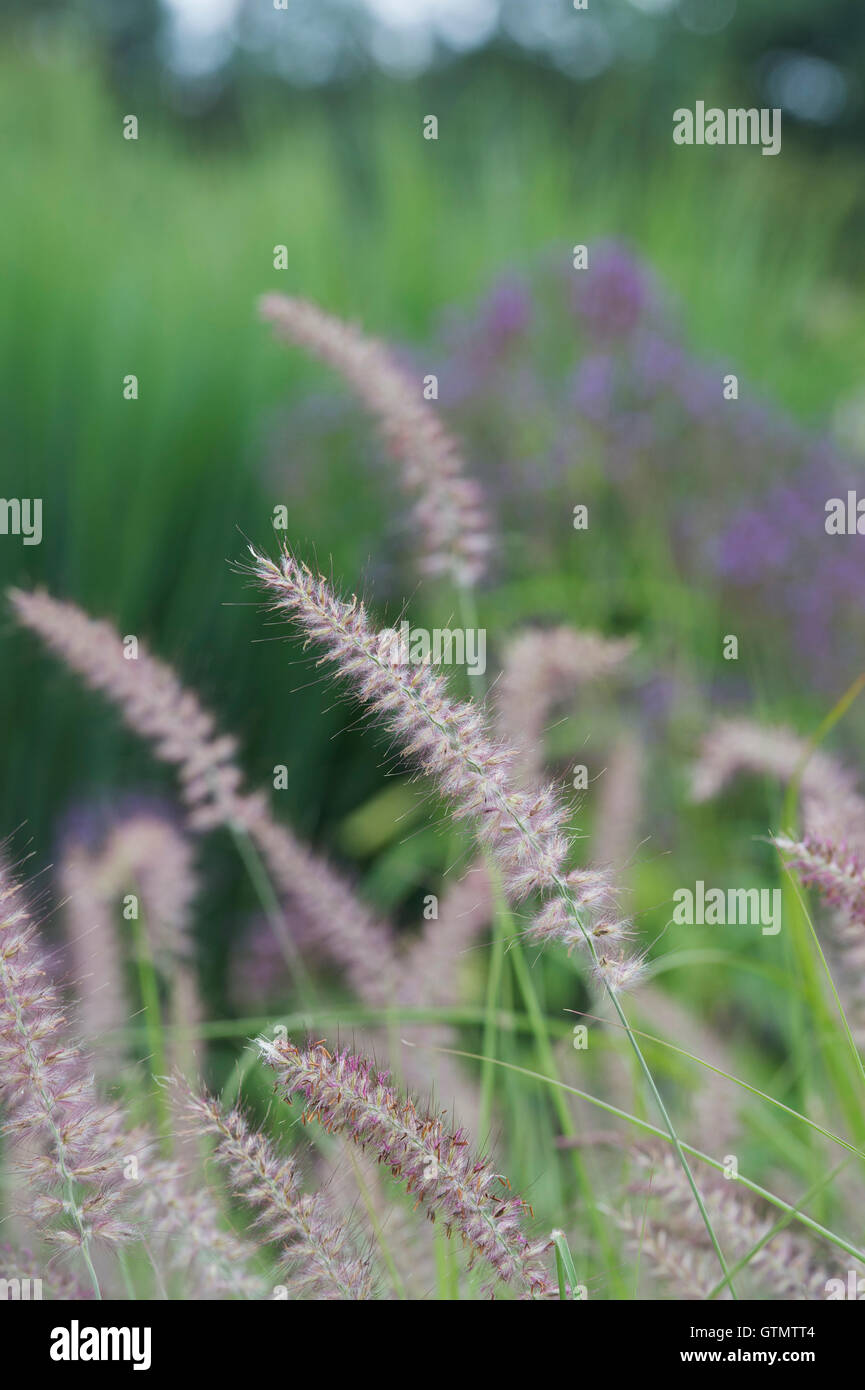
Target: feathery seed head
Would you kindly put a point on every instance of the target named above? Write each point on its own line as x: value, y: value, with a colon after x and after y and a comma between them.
x: 542, y: 668
x: 449, y: 510
x: 787, y: 1266
x: 524, y: 830
x: 349, y: 1096
x: 153, y: 703
x: 832, y: 805
x: 447, y: 737
x: 73, y: 1155
x: 316, y: 1250
x: 150, y: 699
x: 838, y: 872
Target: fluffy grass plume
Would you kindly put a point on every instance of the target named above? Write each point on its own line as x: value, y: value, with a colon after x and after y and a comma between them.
x: 348, y: 1095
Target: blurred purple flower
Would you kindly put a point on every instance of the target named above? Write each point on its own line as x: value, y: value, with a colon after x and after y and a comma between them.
x: 615, y: 293
x: 507, y: 312
x: 593, y: 386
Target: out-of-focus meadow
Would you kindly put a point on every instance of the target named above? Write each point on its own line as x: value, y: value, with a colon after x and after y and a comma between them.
x: 706, y: 517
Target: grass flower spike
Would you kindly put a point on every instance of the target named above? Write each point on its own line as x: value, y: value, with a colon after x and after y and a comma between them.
x: 76, y: 1189
x: 541, y: 669
x: 524, y: 830
x: 153, y: 702
x: 838, y: 872
x: 348, y: 1096
x: 449, y: 512
x: 832, y: 805
x: 787, y: 1266
x: 150, y: 698
x: 447, y: 737
x: 316, y: 1250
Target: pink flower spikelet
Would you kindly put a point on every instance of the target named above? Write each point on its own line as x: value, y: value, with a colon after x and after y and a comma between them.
x: 155, y: 704
x: 74, y: 1159
x: 149, y: 696
x: 449, y: 511
x: 449, y: 738
x: 525, y: 830
x: 348, y: 1096
x: 838, y: 872
x: 316, y: 1251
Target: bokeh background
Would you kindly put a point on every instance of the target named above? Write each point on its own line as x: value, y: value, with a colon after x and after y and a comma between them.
x: 303, y: 127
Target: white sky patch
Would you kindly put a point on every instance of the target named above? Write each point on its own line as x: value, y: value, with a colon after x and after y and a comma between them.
x: 200, y: 31
x: 463, y: 23
x: 202, y: 17
x: 200, y: 36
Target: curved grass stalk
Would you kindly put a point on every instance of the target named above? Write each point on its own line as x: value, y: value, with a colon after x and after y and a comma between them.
x: 780, y: 1224
x: 562, y: 888
x: 506, y: 1021
x: 657, y: 1133
x: 746, y: 1086
x: 607, y: 979
x: 266, y: 893
x: 797, y: 888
